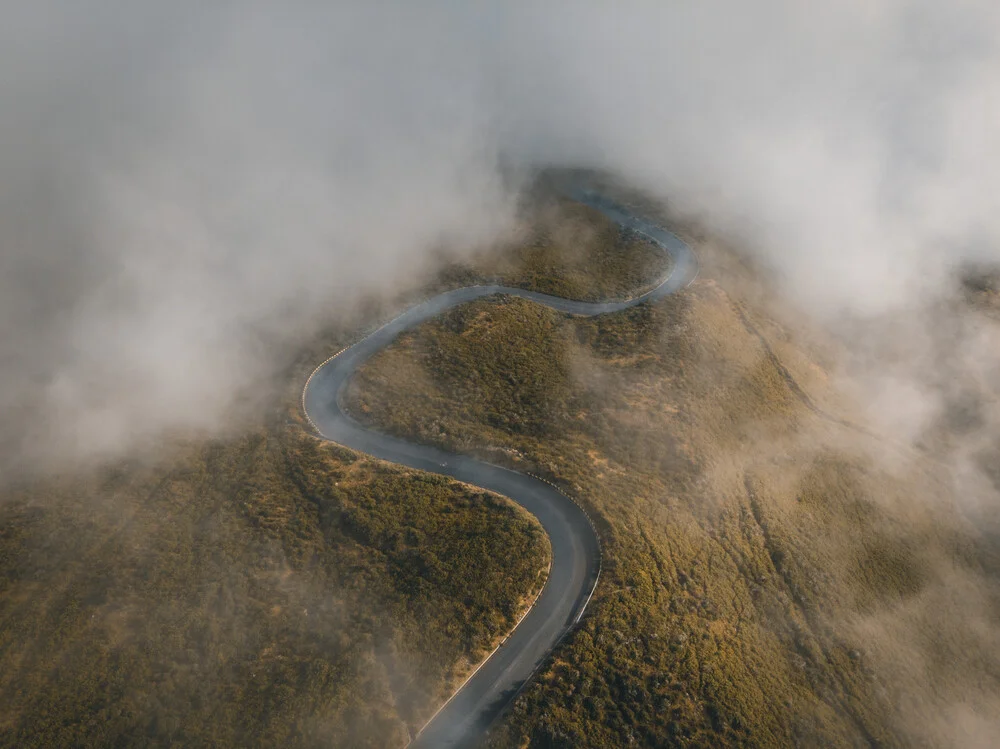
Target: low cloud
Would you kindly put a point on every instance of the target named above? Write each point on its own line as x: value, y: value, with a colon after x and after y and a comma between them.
x: 187, y: 191
x: 178, y: 180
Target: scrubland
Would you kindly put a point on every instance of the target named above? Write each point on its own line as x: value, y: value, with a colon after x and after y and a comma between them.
x: 776, y: 573
x: 270, y: 590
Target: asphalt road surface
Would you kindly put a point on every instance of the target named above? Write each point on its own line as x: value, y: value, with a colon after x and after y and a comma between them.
x: 576, y: 552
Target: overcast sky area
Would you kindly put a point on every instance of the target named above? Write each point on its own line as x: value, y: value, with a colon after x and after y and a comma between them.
x: 181, y: 183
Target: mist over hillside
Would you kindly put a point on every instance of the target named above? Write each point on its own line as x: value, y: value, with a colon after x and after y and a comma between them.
x: 192, y: 192
x: 187, y: 190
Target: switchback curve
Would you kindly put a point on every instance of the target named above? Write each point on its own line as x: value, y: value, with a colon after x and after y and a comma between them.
x: 576, y: 551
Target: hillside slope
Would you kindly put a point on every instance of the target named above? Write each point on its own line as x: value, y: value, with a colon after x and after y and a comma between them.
x: 269, y: 589
x: 775, y: 573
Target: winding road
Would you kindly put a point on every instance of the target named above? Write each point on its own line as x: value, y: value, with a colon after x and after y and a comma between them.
x: 576, y: 551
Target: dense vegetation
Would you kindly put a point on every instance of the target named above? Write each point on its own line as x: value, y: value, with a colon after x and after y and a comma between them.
x: 267, y: 591
x: 762, y: 569
x: 767, y: 582
x: 271, y: 589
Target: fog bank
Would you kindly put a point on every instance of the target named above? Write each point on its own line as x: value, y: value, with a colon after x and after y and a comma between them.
x: 186, y: 187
